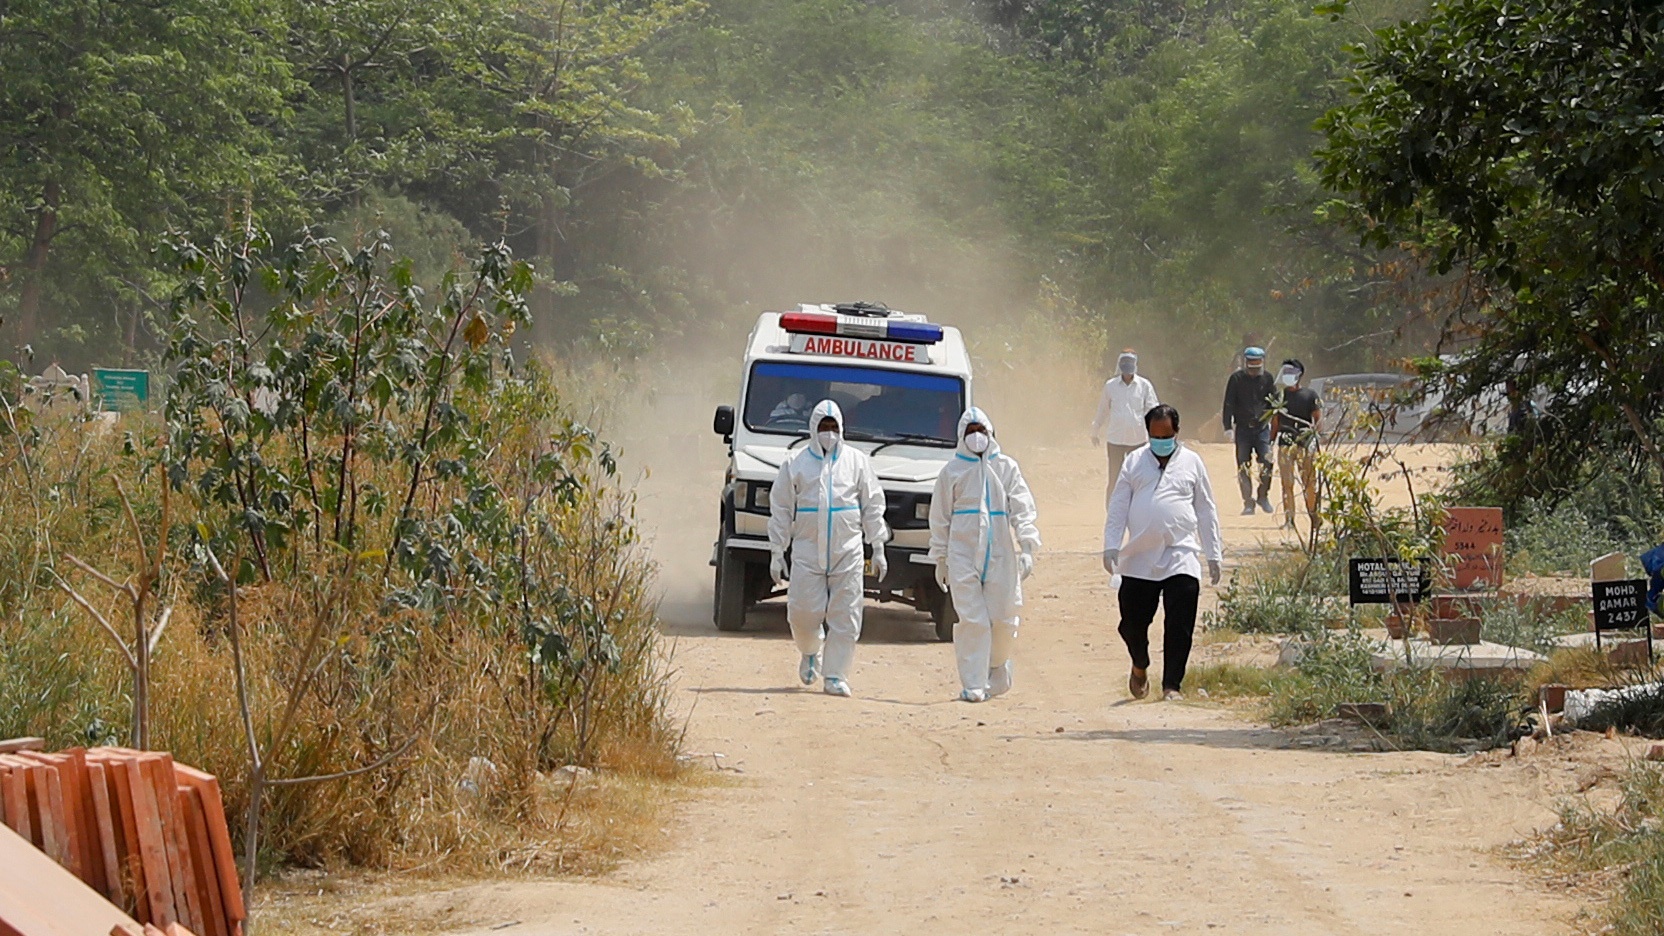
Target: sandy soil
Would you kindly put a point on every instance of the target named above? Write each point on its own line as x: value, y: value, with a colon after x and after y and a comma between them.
x: 1061, y: 808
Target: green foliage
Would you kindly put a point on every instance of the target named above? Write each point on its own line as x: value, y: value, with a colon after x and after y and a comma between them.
x: 1288, y: 595
x: 1518, y: 143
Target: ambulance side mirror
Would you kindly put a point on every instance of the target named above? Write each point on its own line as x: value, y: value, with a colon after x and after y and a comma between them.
x: 723, y: 422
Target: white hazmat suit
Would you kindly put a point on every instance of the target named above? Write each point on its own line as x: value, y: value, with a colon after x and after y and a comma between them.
x: 825, y: 503
x: 981, y: 515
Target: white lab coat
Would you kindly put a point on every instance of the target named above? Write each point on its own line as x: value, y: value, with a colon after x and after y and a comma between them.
x: 1121, y: 409
x: 1167, y: 516
x: 824, y: 505
x: 981, y: 514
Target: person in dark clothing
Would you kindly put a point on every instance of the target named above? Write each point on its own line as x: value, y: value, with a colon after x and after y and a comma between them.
x: 1295, y: 421
x: 1247, y: 403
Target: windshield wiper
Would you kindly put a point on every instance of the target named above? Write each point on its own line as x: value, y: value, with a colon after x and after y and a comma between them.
x: 896, y: 438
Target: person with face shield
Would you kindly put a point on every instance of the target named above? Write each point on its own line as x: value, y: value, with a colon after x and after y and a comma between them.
x: 1119, y: 424
x: 983, y: 539
x: 1297, y: 418
x: 826, y: 502
x: 1247, y: 401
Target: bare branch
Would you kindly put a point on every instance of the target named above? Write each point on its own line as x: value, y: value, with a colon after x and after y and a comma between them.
x: 383, y: 762
x: 132, y: 661
x: 125, y: 588
x: 161, y: 625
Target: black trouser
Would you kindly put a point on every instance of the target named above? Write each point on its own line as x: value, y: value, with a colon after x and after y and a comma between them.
x: 1139, y: 597
x: 1251, y: 444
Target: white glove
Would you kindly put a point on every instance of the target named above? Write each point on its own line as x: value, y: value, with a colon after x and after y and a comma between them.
x: 1230, y: 435
x: 1213, y: 571
x: 1111, y: 557
x: 1025, y: 565
x: 880, y: 564
x: 777, y: 568
x: 942, y: 576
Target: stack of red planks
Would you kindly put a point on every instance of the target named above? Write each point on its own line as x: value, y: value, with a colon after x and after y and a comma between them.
x: 147, y: 833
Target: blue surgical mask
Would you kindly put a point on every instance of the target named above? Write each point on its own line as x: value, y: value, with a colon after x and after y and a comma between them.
x: 1164, y: 447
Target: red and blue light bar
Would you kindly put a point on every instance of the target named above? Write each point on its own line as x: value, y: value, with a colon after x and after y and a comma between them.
x: 846, y: 326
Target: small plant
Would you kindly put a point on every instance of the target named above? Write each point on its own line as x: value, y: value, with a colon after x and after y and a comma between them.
x: 1628, y: 839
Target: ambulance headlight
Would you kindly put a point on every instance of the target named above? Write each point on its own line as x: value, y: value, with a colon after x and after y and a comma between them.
x: 921, y: 509
x: 759, y: 496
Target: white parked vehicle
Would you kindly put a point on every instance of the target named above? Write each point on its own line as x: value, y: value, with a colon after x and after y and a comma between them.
x: 902, y: 383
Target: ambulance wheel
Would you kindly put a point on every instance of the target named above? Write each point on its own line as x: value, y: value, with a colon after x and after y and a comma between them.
x: 942, y: 613
x: 729, y: 604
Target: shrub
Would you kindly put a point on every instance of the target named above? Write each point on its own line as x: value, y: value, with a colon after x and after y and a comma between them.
x: 1630, y: 840
x: 432, y: 570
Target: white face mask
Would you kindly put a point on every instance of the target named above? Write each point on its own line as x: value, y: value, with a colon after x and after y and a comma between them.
x: 1288, y: 378
x: 828, y: 441
x: 977, y: 442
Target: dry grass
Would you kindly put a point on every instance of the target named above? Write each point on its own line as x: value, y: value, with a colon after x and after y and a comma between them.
x: 462, y: 685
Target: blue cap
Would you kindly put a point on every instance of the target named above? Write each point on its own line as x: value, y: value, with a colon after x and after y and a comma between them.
x: 1253, y: 352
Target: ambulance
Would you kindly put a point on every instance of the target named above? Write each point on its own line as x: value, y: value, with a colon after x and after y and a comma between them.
x: 902, y: 383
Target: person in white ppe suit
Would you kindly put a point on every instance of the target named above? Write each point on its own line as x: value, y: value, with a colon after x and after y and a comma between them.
x: 826, y: 502
x: 983, y: 540
x: 1119, y: 423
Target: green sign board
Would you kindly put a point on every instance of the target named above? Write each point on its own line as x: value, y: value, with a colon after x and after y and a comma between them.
x: 121, y: 390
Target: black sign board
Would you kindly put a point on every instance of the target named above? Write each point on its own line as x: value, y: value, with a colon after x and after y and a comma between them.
x: 1389, y: 581
x: 1620, y: 605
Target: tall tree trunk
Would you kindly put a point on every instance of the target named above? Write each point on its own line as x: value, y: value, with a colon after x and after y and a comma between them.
x: 548, y: 245
x: 46, y: 227
x: 350, y: 97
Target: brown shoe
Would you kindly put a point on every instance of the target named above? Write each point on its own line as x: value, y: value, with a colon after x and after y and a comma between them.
x: 1138, y: 684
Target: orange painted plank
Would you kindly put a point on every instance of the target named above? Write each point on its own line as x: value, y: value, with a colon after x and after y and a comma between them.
x: 124, y: 825
x: 106, y: 820
x: 202, y: 860
x: 13, y: 745
x: 86, y: 824
x: 17, y: 801
x: 153, y: 849
x: 219, y: 836
x: 39, y: 897
x: 159, y: 769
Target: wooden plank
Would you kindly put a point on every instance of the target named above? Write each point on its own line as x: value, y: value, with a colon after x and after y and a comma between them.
x: 40, y: 808
x: 17, y: 801
x: 132, y: 858
x: 86, y: 826
x: 38, y: 897
x: 153, y: 849
x: 106, y: 820
x: 219, y: 836
x: 174, y: 929
x: 202, y: 860
x: 13, y: 745
x: 159, y: 768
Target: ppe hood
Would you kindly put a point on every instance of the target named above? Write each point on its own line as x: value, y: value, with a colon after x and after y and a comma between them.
x: 976, y: 415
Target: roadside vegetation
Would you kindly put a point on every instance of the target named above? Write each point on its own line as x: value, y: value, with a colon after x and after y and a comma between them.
x: 394, y: 594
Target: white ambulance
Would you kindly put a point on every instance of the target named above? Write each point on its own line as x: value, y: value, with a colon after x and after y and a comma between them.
x: 902, y: 383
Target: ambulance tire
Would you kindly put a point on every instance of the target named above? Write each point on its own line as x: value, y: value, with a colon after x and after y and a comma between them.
x: 730, y: 600
x: 942, y: 612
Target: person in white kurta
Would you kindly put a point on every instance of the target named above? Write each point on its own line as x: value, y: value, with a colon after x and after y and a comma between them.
x: 983, y: 539
x: 826, y: 501
x: 1162, y: 524
x: 1119, y: 423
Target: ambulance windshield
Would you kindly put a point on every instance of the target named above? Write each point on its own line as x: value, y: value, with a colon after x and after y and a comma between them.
x: 879, y: 405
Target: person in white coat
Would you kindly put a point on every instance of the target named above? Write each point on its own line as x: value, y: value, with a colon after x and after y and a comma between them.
x: 1163, y: 509
x: 1119, y: 423
x: 826, y: 502
x: 983, y: 539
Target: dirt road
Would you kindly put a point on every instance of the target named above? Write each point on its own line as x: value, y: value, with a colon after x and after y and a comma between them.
x: 1060, y: 808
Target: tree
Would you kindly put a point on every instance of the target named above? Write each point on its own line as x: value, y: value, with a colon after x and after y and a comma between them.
x: 1518, y: 144
x: 118, y: 121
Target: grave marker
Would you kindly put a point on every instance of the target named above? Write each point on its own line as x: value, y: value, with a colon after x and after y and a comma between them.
x: 1388, y: 581
x: 1473, y: 544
